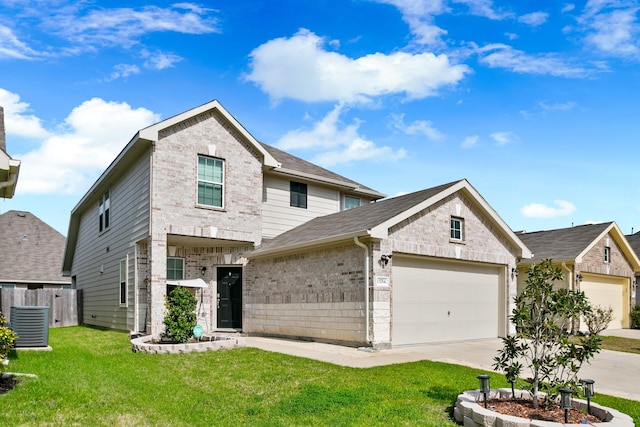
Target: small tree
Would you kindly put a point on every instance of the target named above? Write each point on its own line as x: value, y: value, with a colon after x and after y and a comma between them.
x: 7, y: 338
x: 181, y: 315
x: 542, y: 317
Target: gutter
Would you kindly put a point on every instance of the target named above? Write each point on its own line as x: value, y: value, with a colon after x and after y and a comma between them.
x: 366, y: 286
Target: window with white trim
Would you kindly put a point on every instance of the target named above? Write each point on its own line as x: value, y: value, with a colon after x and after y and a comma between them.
x: 210, y: 181
x: 607, y: 254
x: 104, y: 211
x: 351, y: 202
x: 457, y: 228
x: 123, y: 282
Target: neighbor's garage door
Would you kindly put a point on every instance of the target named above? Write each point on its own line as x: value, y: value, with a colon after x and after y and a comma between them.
x: 606, y: 291
x: 436, y: 301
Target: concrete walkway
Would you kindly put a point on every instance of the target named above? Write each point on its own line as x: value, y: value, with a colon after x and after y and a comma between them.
x: 615, y: 373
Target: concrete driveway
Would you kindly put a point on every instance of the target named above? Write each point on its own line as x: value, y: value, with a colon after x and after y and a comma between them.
x: 615, y: 373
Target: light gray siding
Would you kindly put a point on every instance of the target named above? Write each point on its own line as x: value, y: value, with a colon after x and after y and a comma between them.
x: 277, y: 214
x: 96, y: 264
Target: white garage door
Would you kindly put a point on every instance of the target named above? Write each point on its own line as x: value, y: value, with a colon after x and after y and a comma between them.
x: 436, y: 301
x: 607, y: 292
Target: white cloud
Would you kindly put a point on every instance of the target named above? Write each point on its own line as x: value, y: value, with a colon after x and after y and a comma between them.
x: 71, y: 157
x: 122, y: 71
x: 125, y: 26
x: 417, y: 127
x: 159, y: 60
x: 615, y: 31
x: 504, y: 138
x: 300, y: 68
x: 534, y: 19
x: 537, y: 210
x: 484, y: 8
x: 418, y: 14
x: 558, y: 106
x: 17, y: 119
x: 499, y: 55
x: 568, y: 7
x: 470, y: 141
x: 12, y: 48
x: 340, y: 144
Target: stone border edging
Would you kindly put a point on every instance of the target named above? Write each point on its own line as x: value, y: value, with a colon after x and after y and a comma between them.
x: 143, y: 345
x: 468, y: 411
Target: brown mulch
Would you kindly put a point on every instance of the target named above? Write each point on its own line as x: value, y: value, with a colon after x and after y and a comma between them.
x: 524, y: 408
x: 7, y: 384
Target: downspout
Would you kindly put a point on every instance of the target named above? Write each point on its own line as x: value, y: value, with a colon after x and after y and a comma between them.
x: 569, y: 271
x: 10, y: 182
x: 366, y: 287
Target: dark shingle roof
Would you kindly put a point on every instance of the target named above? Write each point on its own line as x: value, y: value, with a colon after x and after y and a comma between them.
x: 634, y: 242
x: 351, y: 221
x: 562, y: 244
x: 31, y: 250
x: 291, y: 162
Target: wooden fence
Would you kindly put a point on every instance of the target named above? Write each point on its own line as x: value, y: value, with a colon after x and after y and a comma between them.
x: 65, y: 305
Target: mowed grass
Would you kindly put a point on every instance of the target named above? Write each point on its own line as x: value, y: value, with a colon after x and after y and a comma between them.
x: 92, y: 378
x: 628, y: 345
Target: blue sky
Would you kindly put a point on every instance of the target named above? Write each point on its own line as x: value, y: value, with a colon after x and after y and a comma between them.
x: 534, y: 102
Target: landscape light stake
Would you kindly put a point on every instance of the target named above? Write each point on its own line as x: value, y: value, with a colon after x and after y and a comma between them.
x: 484, y: 386
x: 565, y: 401
x: 588, y: 393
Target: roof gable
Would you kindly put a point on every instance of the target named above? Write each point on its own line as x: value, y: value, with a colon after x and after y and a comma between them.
x: 375, y: 220
x: 572, y: 244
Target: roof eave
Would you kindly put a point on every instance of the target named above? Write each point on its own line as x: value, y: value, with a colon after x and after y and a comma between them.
x: 260, y: 253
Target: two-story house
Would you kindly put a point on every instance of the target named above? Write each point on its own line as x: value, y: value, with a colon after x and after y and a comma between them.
x: 274, y: 245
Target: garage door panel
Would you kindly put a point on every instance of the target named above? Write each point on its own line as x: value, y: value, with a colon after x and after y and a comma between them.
x: 606, y: 292
x: 435, y: 301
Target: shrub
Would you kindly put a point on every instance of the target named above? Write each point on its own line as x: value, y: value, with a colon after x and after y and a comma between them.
x: 181, y: 315
x: 598, y: 319
x: 635, y: 317
x: 7, y: 338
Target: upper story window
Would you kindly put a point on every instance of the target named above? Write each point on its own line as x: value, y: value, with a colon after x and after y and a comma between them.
x: 123, y: 282
x: 210, y: 181
x: 298, y: 194
x: 351, y: 202
x: 457, y: 228
x: 104, y: 209
x: 607, y: 254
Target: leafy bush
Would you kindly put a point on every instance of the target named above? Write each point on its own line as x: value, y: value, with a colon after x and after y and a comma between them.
x: 181, y: 315
x: 598, y: 319
x: 543, y: 316
x: 635, y: 317
x: 7, y: 337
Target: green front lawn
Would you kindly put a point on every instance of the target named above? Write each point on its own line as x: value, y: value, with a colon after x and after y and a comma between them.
x: 628, y: 345
x: 92, y: 378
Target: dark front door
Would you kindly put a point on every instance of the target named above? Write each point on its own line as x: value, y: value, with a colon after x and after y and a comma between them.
x: 230, y: 297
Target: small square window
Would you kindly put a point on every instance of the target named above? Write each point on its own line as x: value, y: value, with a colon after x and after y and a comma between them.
x: 298, y: 197
x: 607, y: 254
x: 457, y: 228
x: 175, y: 268
x: 351, y: 202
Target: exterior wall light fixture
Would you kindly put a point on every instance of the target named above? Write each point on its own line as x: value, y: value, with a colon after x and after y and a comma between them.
x: 203, y: 270
x: 384, y: 259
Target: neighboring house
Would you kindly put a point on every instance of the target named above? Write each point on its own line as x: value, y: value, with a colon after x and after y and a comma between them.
x: 30, y: 253
x: 634, y: 241
x: 596, y: 259
x: 429, y: 266
x: 186, y: 199
x: 9, y: 168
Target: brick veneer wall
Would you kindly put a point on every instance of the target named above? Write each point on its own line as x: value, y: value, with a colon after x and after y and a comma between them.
x: 316, y: 294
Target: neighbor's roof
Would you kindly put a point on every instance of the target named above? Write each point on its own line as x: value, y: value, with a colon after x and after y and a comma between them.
x: 634, y: 242
x: 375, y: 219
x: 31, y: 250
x: 571, y: 244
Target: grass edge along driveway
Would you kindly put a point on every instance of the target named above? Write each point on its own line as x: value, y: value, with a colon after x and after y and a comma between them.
x: 93, y: 378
